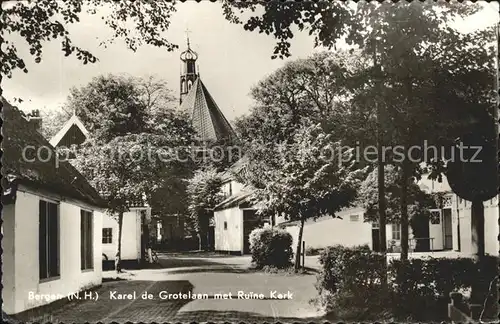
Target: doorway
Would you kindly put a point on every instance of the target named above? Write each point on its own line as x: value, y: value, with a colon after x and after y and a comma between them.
x: 447, y: 229
x: 375, y: 237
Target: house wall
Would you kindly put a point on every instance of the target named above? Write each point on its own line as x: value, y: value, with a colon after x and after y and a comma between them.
x: 72, y: 278
x: 231, y: 187
x: 8, y: 259
x: 491, y: 229
x: 230, y: 239
x: 131, y: 237
x: 328, y: 231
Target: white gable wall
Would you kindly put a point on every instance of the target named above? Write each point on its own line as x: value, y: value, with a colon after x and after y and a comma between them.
x: 331, y: 231
x: 25, y: 279
x: 230, y: 239
x: 131, y: 237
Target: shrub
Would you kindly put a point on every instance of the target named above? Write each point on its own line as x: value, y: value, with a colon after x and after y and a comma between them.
x: 423, y: 286
x: 350, y: 283
x: 271, y: 247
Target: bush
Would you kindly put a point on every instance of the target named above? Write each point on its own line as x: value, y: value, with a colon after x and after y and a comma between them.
x: 271, y: 247
x: 350, y: 283
x: 423, y: 286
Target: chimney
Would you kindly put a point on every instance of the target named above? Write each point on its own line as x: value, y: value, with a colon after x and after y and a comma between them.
x: 35, y: 120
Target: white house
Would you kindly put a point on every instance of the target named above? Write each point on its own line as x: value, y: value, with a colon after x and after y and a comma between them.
x: 52, y: 219
x: 132, y: 241
x: 73, y: 132
x: 235, y: 218
x: 449, y: 230
x: 347, y: 228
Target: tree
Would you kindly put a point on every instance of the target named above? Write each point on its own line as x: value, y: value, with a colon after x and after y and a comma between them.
x: 413, y: 45
x: 307, y: 176
x: 137, y: 152
x: 303, y: 92
x: 53, y: 121
x: 204, y: 192
x: 41, y: 21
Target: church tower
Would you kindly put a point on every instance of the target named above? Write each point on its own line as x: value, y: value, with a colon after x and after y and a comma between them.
x: 188, y: 74
x: 207, y: 118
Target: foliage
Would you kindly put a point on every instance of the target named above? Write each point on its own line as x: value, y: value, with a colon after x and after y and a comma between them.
x: 423, y: 287
x: 137, y: 153
x: 418, y: 201
x: 411, y: 45
x: 327, y: 21
x: 302, y: 92
x: 307, y: 176
x: 271, y: 247
x: 53, y: 121
x: 41, y: 21
x: 204, y: 193
x: 350, y: 283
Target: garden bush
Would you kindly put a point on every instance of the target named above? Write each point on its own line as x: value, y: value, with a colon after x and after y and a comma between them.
x: 351, y: 287
x: 350, y: 283
x: 271, y: 247
x: 423, y: 286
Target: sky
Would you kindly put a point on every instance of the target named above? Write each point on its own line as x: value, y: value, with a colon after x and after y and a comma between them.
x: 231, y: 60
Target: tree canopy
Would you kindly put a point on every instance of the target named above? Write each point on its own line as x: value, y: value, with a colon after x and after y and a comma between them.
x: 41, y: 21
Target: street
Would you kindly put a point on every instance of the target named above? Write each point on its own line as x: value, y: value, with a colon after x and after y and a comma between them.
x: 195, y: 288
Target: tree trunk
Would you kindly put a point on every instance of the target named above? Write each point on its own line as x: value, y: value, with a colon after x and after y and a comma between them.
x: 479, y: 286
x: 118, y: 259
x: 477, y: 228
x: 299, y: 245
x: 198, y: 234
x: 380, y: 166
x: 404, y: 211
x: 381, y: 204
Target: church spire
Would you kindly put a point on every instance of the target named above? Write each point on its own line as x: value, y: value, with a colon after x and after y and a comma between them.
x: 188, y: 74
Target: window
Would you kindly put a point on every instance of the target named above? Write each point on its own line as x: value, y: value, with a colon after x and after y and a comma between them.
x: 225, y: 225
x: 396, y: 231
x: 48, y: 235
x: 354, y: 218
x: 86, y: 240
x: 375, y: 225
x: 435, y: 217
x: 107, y: 235
x: 230, y: 189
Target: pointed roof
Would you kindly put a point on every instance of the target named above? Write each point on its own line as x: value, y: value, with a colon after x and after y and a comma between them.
x: 58, y: 177
x: 208, y: 120
x: 73, y: 121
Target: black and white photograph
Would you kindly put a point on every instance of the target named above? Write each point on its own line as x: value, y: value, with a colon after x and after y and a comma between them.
x: 257, y: 162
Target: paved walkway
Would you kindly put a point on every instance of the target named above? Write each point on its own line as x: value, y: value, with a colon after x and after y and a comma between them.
x: 200, y: 276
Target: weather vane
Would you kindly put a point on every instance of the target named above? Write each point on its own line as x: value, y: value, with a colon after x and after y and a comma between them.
x: 187, y: 35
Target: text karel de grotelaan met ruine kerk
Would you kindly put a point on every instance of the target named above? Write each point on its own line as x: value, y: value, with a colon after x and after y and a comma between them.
x: 163, y: 295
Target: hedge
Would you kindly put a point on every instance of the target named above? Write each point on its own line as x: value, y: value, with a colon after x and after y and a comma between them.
x: 351, y: 284
x: 271, y: 247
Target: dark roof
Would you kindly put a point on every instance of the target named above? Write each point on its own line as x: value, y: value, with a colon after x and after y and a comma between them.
x: 240, y: 199
x: 62, y: 179
x: 236, y: 168
x: 208, y: 120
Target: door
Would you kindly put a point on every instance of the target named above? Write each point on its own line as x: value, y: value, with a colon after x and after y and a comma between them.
x: 250, y: 222
x: 375, y: 237
x: 447, y: 229
x: 436, y: 230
